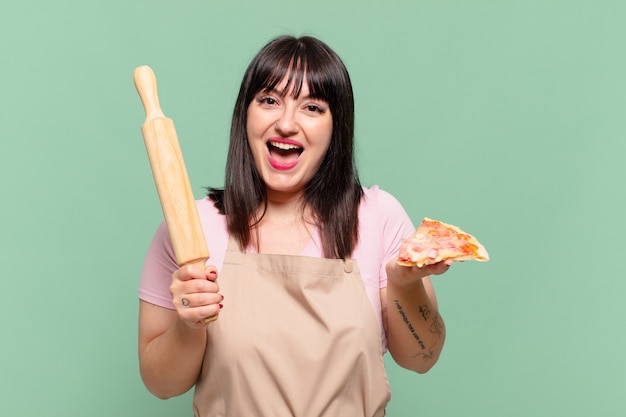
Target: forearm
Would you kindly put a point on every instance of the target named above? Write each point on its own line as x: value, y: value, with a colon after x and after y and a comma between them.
x: 415, y: 329
x: 171, y: 362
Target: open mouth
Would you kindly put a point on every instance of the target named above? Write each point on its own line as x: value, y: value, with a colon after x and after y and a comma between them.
x: 284, y: 153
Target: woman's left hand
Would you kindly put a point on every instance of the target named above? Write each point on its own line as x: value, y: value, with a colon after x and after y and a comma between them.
x: 401, y: 275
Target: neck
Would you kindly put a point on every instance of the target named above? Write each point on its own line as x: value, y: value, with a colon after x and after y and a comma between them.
x: 285, y: 208
x: 285, y: 226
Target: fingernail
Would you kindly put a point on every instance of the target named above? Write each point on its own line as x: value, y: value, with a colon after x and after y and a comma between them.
x: 221, y: 306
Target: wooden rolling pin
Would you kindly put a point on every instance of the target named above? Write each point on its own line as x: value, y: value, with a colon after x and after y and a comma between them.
x: 170, y: 176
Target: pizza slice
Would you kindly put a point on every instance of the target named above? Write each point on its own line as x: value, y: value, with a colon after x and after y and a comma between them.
x: 435, y: 241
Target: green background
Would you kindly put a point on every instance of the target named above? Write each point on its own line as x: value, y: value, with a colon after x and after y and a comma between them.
x: 504, y: 117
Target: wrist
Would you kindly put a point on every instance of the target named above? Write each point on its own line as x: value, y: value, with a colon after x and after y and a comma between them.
x: 404, y: 277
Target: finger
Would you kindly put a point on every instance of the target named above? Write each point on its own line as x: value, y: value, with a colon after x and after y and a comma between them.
x: 195, y: 317
x: 208, y: 314
x: 189, y: 301
x: 188, y: 272
x: 201, y: 286
x: 211, y: 273
x: 439, y: 267
x: 180, y: 289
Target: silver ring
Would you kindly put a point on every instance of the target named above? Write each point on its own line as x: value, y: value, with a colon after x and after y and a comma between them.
x: 184, y: 302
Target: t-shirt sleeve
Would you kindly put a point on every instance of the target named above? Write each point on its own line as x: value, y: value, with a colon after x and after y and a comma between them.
x: 396, y: 226
x: 160, y: 262
x: 158, y: 267
x: 383, y: 225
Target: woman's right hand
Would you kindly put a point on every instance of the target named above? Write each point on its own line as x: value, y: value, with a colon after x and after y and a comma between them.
x: 195, y: 294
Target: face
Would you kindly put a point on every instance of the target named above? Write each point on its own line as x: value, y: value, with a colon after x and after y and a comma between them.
x: 288, y: 137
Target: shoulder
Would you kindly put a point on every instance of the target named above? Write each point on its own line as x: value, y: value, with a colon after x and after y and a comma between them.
x: 206, y: 207
x: 379, y: 206
x: 376, y: 196
x: 214, y: 226
x: 210, y: 217
x: 383, y: 222
x: 215, y: 230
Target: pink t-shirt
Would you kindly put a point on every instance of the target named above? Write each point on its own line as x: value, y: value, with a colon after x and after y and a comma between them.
x: 383, y: 224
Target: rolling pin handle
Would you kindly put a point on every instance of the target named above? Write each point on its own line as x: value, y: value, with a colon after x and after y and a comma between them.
x: 146, y: 85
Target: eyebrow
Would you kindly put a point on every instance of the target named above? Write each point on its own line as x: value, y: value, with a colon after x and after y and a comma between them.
x: 283, y: 94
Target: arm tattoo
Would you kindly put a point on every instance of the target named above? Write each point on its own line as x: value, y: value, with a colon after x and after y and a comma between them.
x: 437, y: 326
x: 426, y: 355
x: 406, y: 321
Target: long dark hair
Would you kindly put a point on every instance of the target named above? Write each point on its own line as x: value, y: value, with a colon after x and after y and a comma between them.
x: 335, y: 191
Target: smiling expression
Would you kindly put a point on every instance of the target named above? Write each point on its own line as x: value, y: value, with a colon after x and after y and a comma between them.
x: 288, y: 137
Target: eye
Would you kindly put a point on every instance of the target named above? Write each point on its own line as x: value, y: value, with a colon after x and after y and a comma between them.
x: 266, y: 100
x: 315, y: 108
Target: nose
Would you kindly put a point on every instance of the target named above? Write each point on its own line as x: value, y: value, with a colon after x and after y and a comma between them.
x: 287, y: 124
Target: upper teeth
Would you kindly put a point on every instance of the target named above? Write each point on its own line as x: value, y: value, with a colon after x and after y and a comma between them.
x: 284, y: 146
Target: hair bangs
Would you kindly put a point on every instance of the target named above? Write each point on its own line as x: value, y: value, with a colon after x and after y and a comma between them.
x: 295, y: 65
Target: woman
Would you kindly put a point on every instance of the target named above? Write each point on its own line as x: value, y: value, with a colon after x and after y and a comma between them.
x: 310, y: 289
